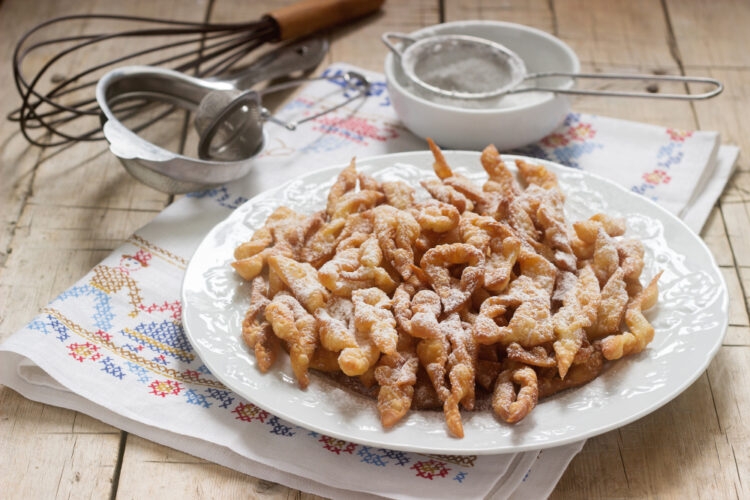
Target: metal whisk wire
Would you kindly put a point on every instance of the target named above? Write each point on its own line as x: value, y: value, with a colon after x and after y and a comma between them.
x: 228, y: 43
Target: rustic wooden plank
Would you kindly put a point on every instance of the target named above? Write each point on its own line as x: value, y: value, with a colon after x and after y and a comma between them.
x: 714, y: 234
x: 710, y: 33
x: 726, y: 112
x: 640, y: 460
x: 18, y: 159
x: 737, y: 335
x: 536, y: 13
x: 359, y: 43
x: 78, y: 205
x: 611, y: 32
x: 43, y: 457
x: 738, y: 188
x: 744, y: 277
x: 596, y: 472
x: 172, y: 474
x: 730, y: 383
x: 737, y: 307
x: 737, y: 219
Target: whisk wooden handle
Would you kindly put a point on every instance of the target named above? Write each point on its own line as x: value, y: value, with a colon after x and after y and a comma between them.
x: 309, y: 16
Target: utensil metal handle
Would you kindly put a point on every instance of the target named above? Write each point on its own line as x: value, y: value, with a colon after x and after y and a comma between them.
x: 718, y: 86
x: 352, y: 80
x: 386, y: 37
x: 298, y: 56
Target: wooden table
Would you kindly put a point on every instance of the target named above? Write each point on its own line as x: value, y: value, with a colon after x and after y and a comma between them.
x: 61, y: 211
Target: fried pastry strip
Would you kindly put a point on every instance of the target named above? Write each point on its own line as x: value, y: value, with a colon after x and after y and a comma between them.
x: 510, y: 406
x: 537, y: 174
x: 436, y: 216
x: 551, y: 219
x: 397, y: 232
x: 536, y: 356
x: 368, y: 183
x: 447, y: 194
x: 256, y: 331
x: 483, y: 202
x: 500, y: 262
x: 302, y: 279
x: 531, y: 323
x: 461, y: 363
x: 433, y: 355
x: 396, y: 374
x: 501, y: 180
x: 354, y: 268
x: 398, y: 194
x: 586, y: 232
x: 454, y: 293
x: 322, y: 245
x: 336, y: 324
x: 579, y: 311
x: 284, y: 233
x: 356, y: 202
x: 630, y: 252
x: 605, y: 259
x: 641, y: 332
x: 425, y: 307
x: 372, y: 316
x: 345, y: 182
x: 614, y: 300
x: 578, y: 374
x: 293, y: 324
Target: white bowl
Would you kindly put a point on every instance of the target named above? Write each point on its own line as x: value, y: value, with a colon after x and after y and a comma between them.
x: 523, y: 119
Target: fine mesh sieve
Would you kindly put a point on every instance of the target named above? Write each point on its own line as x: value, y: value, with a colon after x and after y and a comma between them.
x: 467, y: 67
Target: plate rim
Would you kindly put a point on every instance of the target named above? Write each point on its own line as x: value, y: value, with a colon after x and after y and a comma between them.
x: 396, y: 157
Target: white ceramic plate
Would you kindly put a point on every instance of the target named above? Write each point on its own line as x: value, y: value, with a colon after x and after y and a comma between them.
x: 690, y: 321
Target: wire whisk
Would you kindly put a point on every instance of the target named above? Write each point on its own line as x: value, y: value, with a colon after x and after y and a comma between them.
x: 50, y: 117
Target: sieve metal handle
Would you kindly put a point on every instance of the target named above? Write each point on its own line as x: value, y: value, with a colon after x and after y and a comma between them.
x: 718, y: 86
x: 352, y: 81
x: 398, y: 36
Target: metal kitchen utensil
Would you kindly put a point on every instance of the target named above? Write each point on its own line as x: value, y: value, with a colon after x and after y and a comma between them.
x: 175, y: 173
x: 229, y: 135
x: 206, y: 49
x: 467, y: 67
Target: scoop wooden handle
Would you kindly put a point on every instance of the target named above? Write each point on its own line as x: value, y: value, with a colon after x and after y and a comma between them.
x: 309, y: 16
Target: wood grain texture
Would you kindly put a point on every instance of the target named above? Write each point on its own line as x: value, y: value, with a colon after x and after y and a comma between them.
x: 536, y: 13
x: 715, y: 235
x: 732, y: 401
x: 611, y: 32
x: 711, y: 34
x: 48, y: 452
x: 175, y: 475
x: 727, y: 113
x: 61, y: 211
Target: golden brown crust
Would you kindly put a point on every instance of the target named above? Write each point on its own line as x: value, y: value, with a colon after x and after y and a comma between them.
x: 477, y: 292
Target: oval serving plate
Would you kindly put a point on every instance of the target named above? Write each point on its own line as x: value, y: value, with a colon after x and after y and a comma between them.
x: 690, y: 321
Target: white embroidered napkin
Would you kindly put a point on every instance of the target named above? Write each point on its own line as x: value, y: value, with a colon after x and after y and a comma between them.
x: 112, y: 345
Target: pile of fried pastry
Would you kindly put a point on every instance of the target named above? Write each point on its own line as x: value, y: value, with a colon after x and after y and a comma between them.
x: 429, y: 303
